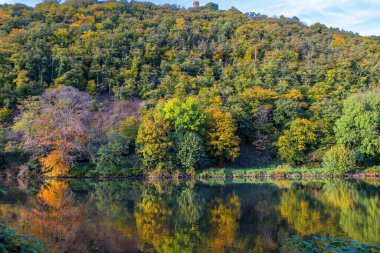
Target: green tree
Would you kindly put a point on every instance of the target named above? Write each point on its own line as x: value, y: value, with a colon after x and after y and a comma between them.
x: 212, y: 6
x: 112, y: 158
x: 359, y: 126
x: 186, y: 116
x: 191, y: 153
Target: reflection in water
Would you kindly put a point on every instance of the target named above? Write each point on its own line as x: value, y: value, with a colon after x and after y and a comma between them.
x: 139, y: 216
x: 224, y: 220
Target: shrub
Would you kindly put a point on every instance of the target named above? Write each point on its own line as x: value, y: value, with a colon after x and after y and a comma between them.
x: 339, y: 160
x: 112, y: 158
x: 281, y: 170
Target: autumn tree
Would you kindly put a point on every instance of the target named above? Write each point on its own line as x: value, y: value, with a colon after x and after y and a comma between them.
x: 154, y: 142
x: 129, y: 128
x: 297, y: 141
x: 55, y: 127
x: 222, y: 143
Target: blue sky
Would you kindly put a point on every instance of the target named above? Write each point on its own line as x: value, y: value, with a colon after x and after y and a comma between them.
x: 362, y: 16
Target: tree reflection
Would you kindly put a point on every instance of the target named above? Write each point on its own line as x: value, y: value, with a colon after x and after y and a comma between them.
x: 224, y: 221
x: 305, y: 214
x: 152, y: 218
x: 55, y: 216
x: 135, y: 216
x: 359, y: 210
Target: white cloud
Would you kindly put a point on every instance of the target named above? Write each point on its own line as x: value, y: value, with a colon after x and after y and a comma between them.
x: 345, y: 14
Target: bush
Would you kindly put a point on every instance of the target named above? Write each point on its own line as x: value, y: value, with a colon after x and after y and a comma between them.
x: 339, y: 160
x: 112, y: 158
x: 281, y: 170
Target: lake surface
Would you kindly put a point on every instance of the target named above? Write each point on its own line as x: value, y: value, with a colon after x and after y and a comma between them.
x: 189, y: 216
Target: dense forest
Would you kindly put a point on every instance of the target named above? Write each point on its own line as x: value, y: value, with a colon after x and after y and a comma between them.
x: 129, y: 88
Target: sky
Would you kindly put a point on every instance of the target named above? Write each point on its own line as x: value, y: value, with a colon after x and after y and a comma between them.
x: 361, y: 16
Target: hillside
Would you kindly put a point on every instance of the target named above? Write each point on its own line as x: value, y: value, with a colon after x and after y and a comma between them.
x: 210, y: 82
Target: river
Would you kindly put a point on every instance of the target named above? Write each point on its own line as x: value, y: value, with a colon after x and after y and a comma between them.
x: 190, y: 216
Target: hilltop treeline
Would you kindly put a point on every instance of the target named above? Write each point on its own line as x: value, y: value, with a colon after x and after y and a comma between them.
x: 163, y: 89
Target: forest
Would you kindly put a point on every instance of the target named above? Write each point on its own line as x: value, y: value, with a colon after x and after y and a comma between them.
x: 122, y: 88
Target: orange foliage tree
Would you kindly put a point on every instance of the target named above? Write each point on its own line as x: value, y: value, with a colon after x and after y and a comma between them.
x: 55, y: 127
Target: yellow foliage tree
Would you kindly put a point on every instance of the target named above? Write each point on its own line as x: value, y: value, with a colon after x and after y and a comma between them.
x: 295, y: 141
x: 222, y: 142
x: 294, y: 94
x: 153, y: 141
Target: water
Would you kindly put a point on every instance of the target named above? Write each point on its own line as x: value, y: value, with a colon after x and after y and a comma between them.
x: 189, y: 216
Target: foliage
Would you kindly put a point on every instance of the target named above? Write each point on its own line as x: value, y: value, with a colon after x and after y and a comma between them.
x: 339, y: 160
x: 359, y: 126
x: 282, y: 170
x: 297, y: 140
x: 3, y: 139
x: 55, y: 126
x: 154, y: 143
x: 259, y: 75
x: 12, y: 241
x: 191, y: 152
x: 54, y: 164
x: 129, y: 128
x: 222, y: 142
x: 112, y: 158
x: 187, y: 116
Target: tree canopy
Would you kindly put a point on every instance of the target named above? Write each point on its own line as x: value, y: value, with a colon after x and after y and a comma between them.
x: 157, y: 75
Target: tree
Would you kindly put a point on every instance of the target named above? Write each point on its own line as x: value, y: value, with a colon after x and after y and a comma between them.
x: 186, y: 116
x: 221, y: 141
x: 212, y: 6
x: 297, y: 141
x: 112, y: 158
x: 3, y: 138
x: 55, y: 127
x: 359, y: 126
x: 129, y: 128
x: 154, y: 142
x: 191, y: 153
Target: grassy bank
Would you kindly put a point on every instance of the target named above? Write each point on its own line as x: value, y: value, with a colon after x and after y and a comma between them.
x: 283, y: 172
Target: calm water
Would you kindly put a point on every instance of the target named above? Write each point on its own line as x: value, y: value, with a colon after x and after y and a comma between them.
x: 188, y: 216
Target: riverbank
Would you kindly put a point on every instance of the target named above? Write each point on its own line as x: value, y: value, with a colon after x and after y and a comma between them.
x: 285, y: 173
x: 279, y: 172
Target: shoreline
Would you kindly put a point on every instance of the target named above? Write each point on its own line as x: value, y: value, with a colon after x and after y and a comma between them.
x: 205, y: 176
